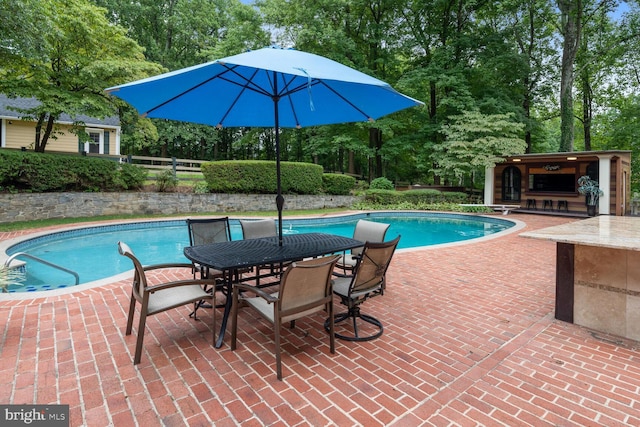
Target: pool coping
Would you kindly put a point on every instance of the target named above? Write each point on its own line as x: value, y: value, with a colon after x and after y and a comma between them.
x: 6, y: 244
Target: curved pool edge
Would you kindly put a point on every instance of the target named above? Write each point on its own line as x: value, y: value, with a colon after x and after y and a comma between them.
x: 518, y: 225
x: 6, y: 244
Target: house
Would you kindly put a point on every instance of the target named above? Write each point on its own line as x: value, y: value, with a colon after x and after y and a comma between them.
x: 549, y: 182
x: 18, y: 133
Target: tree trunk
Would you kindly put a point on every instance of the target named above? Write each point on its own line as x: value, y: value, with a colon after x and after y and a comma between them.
x: 43, y: 138
x: 38, y: 133
x: 571, y: 16
x: 526, y: 106
x: 587, y: 107
x: 351, y: 168
x: 375, y: 143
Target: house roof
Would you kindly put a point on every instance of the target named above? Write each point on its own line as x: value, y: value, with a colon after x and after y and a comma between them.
x: 567, y: 155
x: 6, y: 112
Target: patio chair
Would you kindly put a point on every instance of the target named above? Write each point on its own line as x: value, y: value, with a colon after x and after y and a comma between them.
x: 203, y: 231
x: 367, y: 282
x: 305, y: 289
x: 157, y: 298
x: 365, y: 231
x: 256, y: 229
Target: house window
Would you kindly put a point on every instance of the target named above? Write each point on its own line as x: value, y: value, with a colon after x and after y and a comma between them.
x: 511, y: 178
x: 95, y: 144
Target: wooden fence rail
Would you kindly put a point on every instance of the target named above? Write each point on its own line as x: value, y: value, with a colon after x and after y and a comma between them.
x: 156, y: 163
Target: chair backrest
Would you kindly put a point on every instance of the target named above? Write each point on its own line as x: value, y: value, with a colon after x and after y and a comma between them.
x: 306, y: 287
x: 139, y: 278
x: 209, y: 230
x: 255, y: 229
x: 369, y: 231
x: 372, y: 266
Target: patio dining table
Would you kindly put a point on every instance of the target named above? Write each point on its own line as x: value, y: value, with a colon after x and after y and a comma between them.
x: 234, y: 256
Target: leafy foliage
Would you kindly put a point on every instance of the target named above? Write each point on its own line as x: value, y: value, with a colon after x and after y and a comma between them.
x: 131, y: 177
x: 78, y: 55
x: 428, y: 199
x: 166, y: 181
x: 259, y: 176
x: 381, y: 183
x: 338, y: 184
x: 475, y: 141
x: 589, y: 188
x: 494, y: 58
x: 39, y: 172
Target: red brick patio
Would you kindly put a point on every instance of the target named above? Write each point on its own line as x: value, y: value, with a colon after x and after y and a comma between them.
x: 469, y: 339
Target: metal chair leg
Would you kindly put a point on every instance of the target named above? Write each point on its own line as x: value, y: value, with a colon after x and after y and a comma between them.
x: 355, y: 314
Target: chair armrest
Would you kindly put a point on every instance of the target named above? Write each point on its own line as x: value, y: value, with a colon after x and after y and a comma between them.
x: 161, y: 286
x: 168, y: 265
x: 261, y: 293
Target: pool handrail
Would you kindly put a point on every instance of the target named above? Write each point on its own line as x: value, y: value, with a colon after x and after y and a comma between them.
x: 7, y: 263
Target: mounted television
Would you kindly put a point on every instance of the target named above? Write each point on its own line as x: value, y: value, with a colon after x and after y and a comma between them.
x: 552, y: 179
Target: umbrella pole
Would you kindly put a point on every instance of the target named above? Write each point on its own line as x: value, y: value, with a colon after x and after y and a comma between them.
x: 279, y: 198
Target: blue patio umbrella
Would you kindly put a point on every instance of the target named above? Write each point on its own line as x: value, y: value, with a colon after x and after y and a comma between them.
x: 269, y: 87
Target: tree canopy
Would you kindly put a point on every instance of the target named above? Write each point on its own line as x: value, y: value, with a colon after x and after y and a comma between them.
x: 497, y: 78
x: 71, y: 53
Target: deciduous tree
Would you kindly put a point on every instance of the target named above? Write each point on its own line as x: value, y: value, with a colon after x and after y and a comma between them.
x: 77, y: 58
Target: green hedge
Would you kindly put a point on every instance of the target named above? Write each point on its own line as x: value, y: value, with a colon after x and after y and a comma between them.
x: 383, y: 197
x: 434, y: 196
x: 338, y: 184
x: 259, y: 176
x: 48, y: 172
x: 381, y: 183
x: 413, y: 197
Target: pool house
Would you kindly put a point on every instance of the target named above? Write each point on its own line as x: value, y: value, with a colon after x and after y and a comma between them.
x: 547, y: 182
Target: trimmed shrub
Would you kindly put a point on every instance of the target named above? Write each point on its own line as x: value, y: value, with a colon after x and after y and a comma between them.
x: 131, y: 177
x: 338, y: 184
x: 42, y: 172
x: 434, y: 196
x: 381, y: 183
x: 413, y: 199
x: 383, y: 197
x: 259, y: 176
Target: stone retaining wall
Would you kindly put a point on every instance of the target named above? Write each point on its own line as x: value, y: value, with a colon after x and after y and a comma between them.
x: 26, y: 207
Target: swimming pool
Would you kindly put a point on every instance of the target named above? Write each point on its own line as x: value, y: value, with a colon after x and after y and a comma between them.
x: 92, y: 253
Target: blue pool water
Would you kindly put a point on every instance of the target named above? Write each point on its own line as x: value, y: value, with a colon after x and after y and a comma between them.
x: 93, y: 254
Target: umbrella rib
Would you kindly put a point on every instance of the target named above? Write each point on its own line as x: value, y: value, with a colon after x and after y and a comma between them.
x: 191, y: 89
x: 162, y: 104
x: 249, y: 83
x: 293, y: 90
x: 347, y: 101
x: 244, y: 87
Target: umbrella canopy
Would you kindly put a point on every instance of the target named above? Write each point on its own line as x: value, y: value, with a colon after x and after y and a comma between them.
x: 269, y: 87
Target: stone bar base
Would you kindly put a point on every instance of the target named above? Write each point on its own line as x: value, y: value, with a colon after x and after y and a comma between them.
x: 607, y: 290
x: 598, y: 273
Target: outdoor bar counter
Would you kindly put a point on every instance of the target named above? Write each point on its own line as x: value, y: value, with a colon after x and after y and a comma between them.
x: 598, y: 273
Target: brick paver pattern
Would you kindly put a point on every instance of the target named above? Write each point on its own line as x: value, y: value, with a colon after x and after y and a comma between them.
x: 470, y: 339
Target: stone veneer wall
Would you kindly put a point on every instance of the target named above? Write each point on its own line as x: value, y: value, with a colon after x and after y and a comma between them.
x: 24, y: 207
